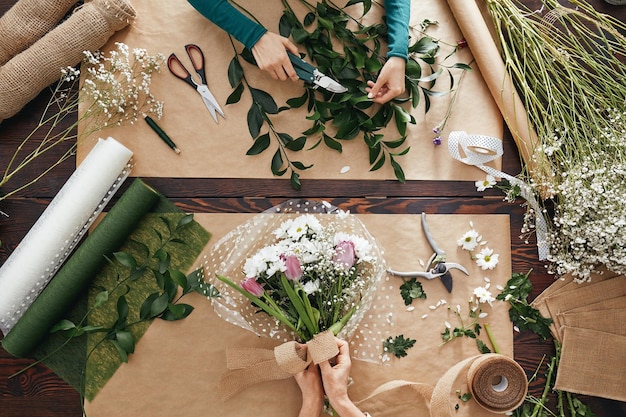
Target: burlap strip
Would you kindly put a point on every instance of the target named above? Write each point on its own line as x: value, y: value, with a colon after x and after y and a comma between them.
x: 251, y: 366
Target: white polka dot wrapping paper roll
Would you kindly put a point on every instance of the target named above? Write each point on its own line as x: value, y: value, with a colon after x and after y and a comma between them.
x: 60, y: 227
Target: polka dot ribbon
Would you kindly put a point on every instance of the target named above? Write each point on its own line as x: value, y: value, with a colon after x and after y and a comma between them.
x: 478, y: 150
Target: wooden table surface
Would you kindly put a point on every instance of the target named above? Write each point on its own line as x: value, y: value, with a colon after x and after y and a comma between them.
x: 40, y: 393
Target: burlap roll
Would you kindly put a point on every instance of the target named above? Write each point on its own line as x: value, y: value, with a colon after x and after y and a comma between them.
x: 497, y: 383
x: 26, y: 22
x: 26, y: 74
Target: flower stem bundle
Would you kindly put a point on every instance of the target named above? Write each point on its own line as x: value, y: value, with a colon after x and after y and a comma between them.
x: 568, y: 65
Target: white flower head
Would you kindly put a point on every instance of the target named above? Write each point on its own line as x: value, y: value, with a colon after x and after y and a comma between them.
x: 488, y: 182
x: 469, y: 240
x: 311, y: 287
x: 483, y: 295
x: 486, y: 259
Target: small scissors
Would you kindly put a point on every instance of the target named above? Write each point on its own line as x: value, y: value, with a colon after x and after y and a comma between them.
x: 197, y: 60
x: 437, y: 267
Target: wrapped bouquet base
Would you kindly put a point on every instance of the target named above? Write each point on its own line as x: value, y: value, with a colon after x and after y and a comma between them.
x: 251, y: 366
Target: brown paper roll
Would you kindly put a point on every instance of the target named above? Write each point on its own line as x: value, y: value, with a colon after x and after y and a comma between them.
x: 89, y: 27
x: 27, y: 21
x: 480, y: 40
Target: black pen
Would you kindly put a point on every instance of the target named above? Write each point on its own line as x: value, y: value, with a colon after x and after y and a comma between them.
x: 162, y: 134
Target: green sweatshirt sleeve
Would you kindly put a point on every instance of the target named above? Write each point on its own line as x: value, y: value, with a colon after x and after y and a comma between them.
x: 398, y: 16
x: 231, y: 20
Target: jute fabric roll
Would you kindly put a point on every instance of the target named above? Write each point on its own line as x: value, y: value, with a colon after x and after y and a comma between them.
x: 497, y: 383
x: 26, y: 74
x: 26, y: 22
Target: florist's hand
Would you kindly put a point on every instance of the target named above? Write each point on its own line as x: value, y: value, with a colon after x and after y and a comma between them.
x: 390, y: 82
x: 271, y: 56
x: 336, y: 378
x: 310, y: 384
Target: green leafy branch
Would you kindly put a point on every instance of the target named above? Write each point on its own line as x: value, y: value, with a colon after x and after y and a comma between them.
x: 340, y: 117
x: 263, y: 105
x: 469, y: 327
x: 521, y: 313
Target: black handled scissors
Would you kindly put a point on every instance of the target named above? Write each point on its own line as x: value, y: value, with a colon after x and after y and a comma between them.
x: 197, y: 60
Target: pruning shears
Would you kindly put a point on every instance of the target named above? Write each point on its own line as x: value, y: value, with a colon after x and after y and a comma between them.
x: 437, y: 266
x: 310, y: 74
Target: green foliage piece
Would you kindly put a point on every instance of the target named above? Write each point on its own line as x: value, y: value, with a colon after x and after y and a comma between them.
x: 482, y: 346
x: 412, y: 289
x: 398, y: 346
x: 521, y: 313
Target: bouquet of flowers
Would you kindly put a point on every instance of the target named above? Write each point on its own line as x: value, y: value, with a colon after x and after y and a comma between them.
x: 296, y: 274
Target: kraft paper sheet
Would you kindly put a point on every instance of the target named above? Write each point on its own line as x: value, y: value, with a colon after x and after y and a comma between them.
x: 211, y: 150
x: 177, y: 366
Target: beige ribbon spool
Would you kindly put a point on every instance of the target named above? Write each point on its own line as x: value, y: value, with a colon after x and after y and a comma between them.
x: 251, y: 366
x: 496, y: 382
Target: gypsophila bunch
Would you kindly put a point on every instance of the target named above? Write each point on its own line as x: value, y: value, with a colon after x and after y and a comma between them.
x: 577, y: 110
x: 311, y: 278
x: 590, y: 217
x: 115, y: 91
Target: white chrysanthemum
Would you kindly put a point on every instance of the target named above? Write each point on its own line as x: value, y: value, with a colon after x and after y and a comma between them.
x: 488, y: 182
x: 486, y: 259
x: 469, y: 240
x: 311, y: 287
x: 266, y: 261
x: 484, y: 295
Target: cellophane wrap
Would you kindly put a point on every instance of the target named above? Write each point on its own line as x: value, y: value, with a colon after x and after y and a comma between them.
x: 228, y: 257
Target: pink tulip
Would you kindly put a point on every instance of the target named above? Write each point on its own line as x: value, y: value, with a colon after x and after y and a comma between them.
x: 252, y: 286
x: 344, y: 254
x: 294, y: 269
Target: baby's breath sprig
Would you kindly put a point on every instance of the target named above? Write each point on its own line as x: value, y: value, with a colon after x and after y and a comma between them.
x: 115, y: 92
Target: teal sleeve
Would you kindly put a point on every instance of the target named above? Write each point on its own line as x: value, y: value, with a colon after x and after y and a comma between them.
x: 398, y: 15
x: 231, y: 20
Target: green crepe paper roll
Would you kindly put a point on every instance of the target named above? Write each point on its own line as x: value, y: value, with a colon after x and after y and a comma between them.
x: 76, y: 274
